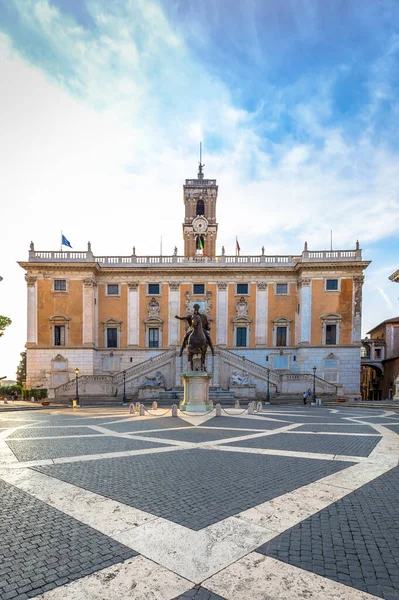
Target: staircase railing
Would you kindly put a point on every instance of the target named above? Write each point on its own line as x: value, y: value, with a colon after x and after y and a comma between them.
x: 250, y: 366
x: 149, y: 363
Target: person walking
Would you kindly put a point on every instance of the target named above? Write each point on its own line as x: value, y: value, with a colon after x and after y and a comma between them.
x: 305, y: 395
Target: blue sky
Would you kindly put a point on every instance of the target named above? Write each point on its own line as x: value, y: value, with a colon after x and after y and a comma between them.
x: 105, y: 103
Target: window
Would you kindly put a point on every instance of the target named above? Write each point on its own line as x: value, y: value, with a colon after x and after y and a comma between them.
x: 113, y: 289
x: 377, y: 353
x: 199, y: 288
x: 331, y: 335
x: 153, y: 288
x: 200, y: 208
x: 112, y: 337
x: 281, y: 288
x: 332, y: 285
x: 153, y: 337
x: 60, y: 286
x: 281, y: 336
x: 59, y: 335
x: 241, y: 337
x: 242, y: 288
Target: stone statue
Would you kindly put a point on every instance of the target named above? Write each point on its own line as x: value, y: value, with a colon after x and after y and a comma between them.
x: 175, y: 251
x: 32, y: 247
x: 263, y: 251
x: 197, y: 337
x: 152, y: 382
x: 88, y: 246
x: 239, y: 380
x: 223, y: 251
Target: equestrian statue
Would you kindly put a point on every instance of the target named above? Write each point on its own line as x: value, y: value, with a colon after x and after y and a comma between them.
x: 197, y: 338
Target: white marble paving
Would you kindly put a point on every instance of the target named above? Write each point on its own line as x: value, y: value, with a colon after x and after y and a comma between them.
x: 258, y: 577
x: 135, y: 579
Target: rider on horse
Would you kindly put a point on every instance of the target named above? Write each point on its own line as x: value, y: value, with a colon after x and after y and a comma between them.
x: 205, y: 326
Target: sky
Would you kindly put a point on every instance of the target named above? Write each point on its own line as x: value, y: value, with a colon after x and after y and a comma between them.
x: 103, y: 105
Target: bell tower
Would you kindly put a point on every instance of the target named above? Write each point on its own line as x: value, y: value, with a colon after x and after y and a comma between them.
x: 200, y: 226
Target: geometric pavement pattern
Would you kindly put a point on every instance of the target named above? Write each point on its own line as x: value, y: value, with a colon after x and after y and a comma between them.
x: 354, y: 541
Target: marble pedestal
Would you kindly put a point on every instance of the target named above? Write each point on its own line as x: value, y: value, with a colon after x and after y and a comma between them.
x: 243, y: 391
x: 196, y: 392
x: 150, y: 393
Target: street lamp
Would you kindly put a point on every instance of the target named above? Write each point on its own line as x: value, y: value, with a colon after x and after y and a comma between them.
x: 268, y: 389
x: 77, y: 386
x: 124, y: 389
x: 314, y: 384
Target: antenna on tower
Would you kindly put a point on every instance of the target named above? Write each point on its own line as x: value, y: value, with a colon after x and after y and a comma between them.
x: 201, y: 166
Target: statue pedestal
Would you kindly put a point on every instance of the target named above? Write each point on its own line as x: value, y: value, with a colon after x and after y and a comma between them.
x: 243, y: 391
x: 196, y: 392
x: 396, y: 384
x: 148, y: 393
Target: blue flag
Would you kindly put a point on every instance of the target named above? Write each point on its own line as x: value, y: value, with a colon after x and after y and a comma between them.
x: 64, y: 242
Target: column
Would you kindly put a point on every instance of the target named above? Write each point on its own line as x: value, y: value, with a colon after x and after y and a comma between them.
x: 221, y: 313
x: 261, y: 314
x: 133, y: 317
x: 174, y: 308
x: 357, y: 309
x: 31, y: 283
x: 89, y: 336
x: 306, y: 310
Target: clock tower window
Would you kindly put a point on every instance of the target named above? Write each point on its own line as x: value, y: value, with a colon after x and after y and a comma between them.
x: 200, y: 208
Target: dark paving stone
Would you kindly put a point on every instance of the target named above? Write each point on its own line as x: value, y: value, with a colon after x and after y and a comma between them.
x: 195, y: 487
x: 318, y: 444
x: 136, y: 424
x: 26, y: 450
x: 33, y: 432
x: 354, y: 541
x: 394, y: 428
x: 38, y: 545
x: 337, y: 428
x: 9, y: 423
x: 196, y: 435
x: 199, y: 593
x: 379, y: 420
x: 241, y: 423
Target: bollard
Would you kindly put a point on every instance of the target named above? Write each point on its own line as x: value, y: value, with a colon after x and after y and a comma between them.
x: 174, y: 410
x: 154, y: 405
x: 253, y: 405
x: 142, y: 410
x: 259, y: 407
x: 237, y: 404
x: 218, y: 410
x: 131, y: 408
x: 250, y: 409
x: 137, y: 407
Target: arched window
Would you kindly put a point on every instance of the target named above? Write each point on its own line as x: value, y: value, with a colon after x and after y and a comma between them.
x: 200, y: 208
x: 200, y: 242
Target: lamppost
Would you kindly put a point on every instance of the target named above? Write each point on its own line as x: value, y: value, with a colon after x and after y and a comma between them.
x: 314, y: 384
x: 268, y: 389
x: 124, y: 389
x: 77, y: 386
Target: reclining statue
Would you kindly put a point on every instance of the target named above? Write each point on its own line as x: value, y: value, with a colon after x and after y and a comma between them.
x: 240, y: 380
x: 152, y: 382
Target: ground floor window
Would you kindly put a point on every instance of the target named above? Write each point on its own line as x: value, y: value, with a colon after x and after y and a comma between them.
x: 153, y: 337
x: 331, y: 335
x: 112, y: 337
x: 281, y: 336
x: 241, y: 337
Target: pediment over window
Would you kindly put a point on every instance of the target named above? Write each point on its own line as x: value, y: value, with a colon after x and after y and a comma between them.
x: 242, y: 319
x: 282, y: 322
x: 153, y: 321
x: 112, y: 322
x: 331, y: 356
x: 59, y: 319
x: 332, y: 317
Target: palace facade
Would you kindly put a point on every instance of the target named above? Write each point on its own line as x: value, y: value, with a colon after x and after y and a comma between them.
x: 272, y: 317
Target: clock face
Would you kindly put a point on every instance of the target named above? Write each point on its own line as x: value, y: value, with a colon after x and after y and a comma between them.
x: 200, y: 224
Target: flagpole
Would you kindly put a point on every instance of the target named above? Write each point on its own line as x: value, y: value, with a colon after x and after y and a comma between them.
x: 61, y: 240
x: 236, y: 247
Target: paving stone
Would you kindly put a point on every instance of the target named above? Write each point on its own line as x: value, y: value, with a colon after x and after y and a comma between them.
x: 241, y: 423
x: 26, y: 450
x: 33, y: 432
x: 394, y: 428
x: 197, y: 434
x: 317, y: 444
x: 370, y: 517
x: 136, y: 424
x: 28, y: 528
x: 336, y: 428
x: 195, y: 487
x: 199, y: 593
x: 379, y: 420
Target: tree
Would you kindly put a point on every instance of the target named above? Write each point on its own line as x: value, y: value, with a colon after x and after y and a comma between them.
x: 4, y: 323
x: 21, y: 370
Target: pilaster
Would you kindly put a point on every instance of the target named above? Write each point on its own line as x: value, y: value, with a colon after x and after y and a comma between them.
x: 261, y: 314
x: 89, y: 321
x: 31, y: 282
x: 174, y: 309
x: 221, y: 313
x: 305, y: 286
x: 357, y: 309
x: 133, y: 317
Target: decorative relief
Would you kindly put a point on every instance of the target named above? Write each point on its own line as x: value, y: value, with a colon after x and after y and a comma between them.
x: 242, y: 307
x: 358, y: 279
x: 133, y: 285
x: 89, y: 283
x: 262, y: 285
x: 174, y: 286
x: 30, y: 281
x: 153, y: 308
x: 222, y: 285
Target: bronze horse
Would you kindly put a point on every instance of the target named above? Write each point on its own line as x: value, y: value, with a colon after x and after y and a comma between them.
x: 197, y: 342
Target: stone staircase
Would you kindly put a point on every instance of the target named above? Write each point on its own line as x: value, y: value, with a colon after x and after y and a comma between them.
x: 250, y: 367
